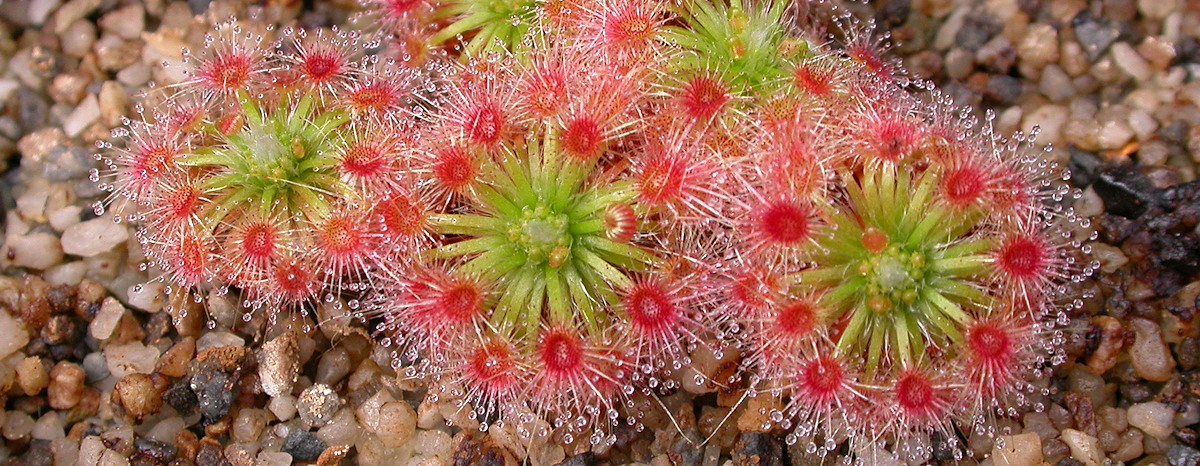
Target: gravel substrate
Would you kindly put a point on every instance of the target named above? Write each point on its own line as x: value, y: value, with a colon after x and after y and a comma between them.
x: 98, y: 365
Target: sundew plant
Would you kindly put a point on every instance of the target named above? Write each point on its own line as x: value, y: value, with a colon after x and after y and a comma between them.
x: 587, y: 195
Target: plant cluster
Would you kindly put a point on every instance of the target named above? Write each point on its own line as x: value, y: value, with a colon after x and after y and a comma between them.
x: 595, y: 192
x: 273, y: 169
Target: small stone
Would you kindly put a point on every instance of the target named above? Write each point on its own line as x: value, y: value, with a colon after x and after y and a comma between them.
x: 1144, y: 126
x: 1039, y: 46
x: 334, y: 365
x: 273, y: 458
x: 1111, y: 258
x: 1084, y: 447
x: 1049, y: 119
x: 83, y: 116
x: 174, y: 361
x: 131, y: 358
x: 1095, y: 36
x: 63, y: 218
x: 219, y: 340
x: 1003, y: 89
x: 39, y: 10
x: 1055, y: 84
x: 48, y: 427
x: 279, y: 364
x: 344, y: 429
x: 1018, y: 450
x: 433, y: 443
x: 759, y: 449
x: 959, y: 64
x: 32, y: 375
x: 1114, y: 135
x: 1129, y: 61
x: 998, y: 55
x: 13, y: 335
x: 249, y: 425
x: 139, y: 396
x: 127, y: 23
x: 1155, y: 419
x: 36, y: 145
x: 1157, y: 9
x: 94, y: 237
x: 36, y: 251
x: 1157, y: 51
x: 1109, y: 348
x: 283, y: 407
x: 106, y: 320
x: 17, y: 425
x: 114, y: 53
x: 135, y: 75
x: 113, y: 102
x: 78, y: 38
x: 1150, y: 356
x: 397, y: 423
x: 69, y: 88
x: 317, y: 405
x: 67, y: 381
x: 1180, y: 455
x: 303, y: 445
x: 155, y: 450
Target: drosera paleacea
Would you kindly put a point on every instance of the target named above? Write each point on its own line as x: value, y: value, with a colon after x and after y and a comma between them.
x: 266, y: 168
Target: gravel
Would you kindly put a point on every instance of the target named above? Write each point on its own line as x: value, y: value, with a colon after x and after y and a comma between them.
x: 104, y: 367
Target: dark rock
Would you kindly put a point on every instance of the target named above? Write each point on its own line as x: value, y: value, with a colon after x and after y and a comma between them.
x: 755, y: 449
x: 1095, y: 35
x: 893, y: 13
x: 199, y: 7
x: 59, y: 329
x: 1002, y: 90
x: 210, y: 453
x: 476, y: 451
x: 947, y: 449
x: 181, y: 397
x: 1186, y: 436
x: 33, y: 110
x: 153, y: 451
x: 1126, y: 191
x: 684, y: 451
x: 586, y: 459
x: 38, y: 454
x: 303, y: 445
x: 1085, y: 167
x: 977, y: 29
x: 214, y: 393
x: 1069, y: 462
x: 1180, y: 455
x: 1136, y: 393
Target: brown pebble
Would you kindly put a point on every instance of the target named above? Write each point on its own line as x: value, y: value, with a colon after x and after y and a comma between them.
x: 187, y: 316
x: 88, y: 298
x: 227, y: 358
x: 88, y: 406
x: 1112, y: 338
x: 34, y: 307
x: 219, y: 428
x: 188, y: 445
x: 128, y: 330
x: 67, y: 381
x: 138, y: 395
x: 333, y: 455
x: 756, y: 416
x: 174, y: 362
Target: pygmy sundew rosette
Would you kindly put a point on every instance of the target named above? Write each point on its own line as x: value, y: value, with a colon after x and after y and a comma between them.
x: 268, y: 168
x: 562, y: 280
